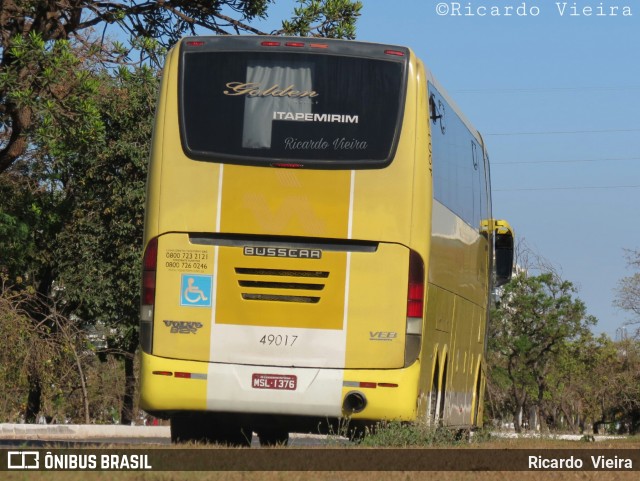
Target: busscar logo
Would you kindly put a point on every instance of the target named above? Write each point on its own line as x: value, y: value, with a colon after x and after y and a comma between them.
x: 283, y: 252
x: 183, y: 327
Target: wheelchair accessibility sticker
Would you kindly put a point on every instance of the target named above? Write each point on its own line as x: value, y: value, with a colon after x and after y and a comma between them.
x: 196, y: 290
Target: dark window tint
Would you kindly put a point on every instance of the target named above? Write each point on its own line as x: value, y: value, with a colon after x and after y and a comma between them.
x: 459, y: 169
x: 322, y: 110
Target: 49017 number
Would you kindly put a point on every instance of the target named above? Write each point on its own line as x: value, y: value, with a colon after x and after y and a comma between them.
x: 278, y: 340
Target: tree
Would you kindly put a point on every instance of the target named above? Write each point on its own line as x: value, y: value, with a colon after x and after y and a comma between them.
x: 580, y: 384
x: 37, y: 188
x: 27, y: 86
x: 74, y: 136
x: 628, y: 290
x: 623, y: 408
x: 47, y: 357
x: 529, y: 331
x: 98, y: 251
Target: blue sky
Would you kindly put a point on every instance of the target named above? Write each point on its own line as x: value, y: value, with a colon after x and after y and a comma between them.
x: 557, y: 98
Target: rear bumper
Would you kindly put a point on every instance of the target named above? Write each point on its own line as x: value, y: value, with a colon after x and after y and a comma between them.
x: 169, y: 385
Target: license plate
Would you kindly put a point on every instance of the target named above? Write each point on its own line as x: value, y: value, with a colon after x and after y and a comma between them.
x: 274, y: 381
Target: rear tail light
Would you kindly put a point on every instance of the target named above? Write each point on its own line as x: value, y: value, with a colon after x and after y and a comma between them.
x: 415, y: 295
x: 149, y: 267
x: 150, y: 263
x: 270, y: 44
x: 415, y: 308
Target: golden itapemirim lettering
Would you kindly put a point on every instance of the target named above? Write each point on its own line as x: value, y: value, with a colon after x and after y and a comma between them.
x: 253, y: 89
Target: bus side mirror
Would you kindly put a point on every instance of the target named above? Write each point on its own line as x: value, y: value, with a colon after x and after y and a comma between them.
x: 504, y: 251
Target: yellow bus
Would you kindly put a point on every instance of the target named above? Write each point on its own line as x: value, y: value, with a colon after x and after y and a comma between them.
x: 319, y: 243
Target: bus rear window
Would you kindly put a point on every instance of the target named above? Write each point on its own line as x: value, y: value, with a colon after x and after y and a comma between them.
x: 317, y: 110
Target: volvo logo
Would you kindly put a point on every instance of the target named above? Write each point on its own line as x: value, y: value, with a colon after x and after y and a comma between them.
x: 283, y: 252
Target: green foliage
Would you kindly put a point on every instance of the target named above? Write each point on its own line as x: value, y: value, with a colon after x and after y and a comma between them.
x: 624, y: 402
x: 75, y: 126
x: 45, y: 92
x: 46, y: 81
x: 537, y: 316
x: 99, y: 248
x: 16, y: 336
x: 530, y: 336
x: 542, y: 356
x: 60, y: 357
x: 39, y: 351
x: 14, y: 236
x: 185, y: 17
x: 72, y: 213
x: 324, y: 18
x: 29, y: 218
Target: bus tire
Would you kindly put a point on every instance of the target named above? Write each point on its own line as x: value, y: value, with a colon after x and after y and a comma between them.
x: 433, y: 397
x: 476, y: 407
x: 443, y: 394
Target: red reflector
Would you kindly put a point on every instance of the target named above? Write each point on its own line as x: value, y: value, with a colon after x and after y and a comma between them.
x: 184, y: 375
x: 387, y: 384
x: 270, y: 44
x: 148, y: 288
x: 195, y: 43
x: 163, y: 373
x: 294, y: 44
x: 397, y: 53
x: 371, y: 385
x: 287, y: 166
x: 318, y: 45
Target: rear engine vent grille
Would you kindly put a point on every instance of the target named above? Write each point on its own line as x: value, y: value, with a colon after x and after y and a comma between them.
x: 280, y: 272
x: 282, y: 285
x: 271, y: 297
x: 263, y: 289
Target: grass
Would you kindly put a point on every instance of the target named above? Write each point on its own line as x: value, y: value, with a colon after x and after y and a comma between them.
x: 400, y: 435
